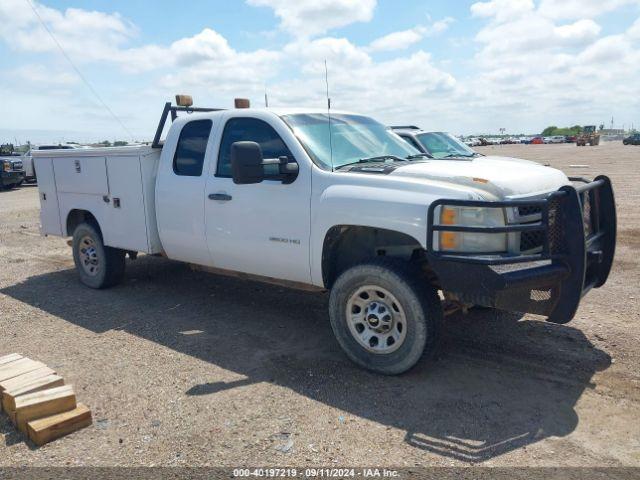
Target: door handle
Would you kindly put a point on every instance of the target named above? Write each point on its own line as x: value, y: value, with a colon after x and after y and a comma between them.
x: 220, y: 196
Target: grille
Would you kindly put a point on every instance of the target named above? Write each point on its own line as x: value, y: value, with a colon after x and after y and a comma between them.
x: 586, y: 213
x: 531, y: 240
x: 556, y: 230
x: 526, y: 210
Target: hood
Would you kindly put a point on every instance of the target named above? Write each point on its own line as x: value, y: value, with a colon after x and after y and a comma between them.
x: 501, y: 177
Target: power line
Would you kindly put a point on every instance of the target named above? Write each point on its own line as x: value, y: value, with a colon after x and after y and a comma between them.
x: 77, y: 70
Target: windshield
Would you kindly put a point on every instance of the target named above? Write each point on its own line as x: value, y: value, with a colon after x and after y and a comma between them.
x: 443, y: 145
x: 353, y: 137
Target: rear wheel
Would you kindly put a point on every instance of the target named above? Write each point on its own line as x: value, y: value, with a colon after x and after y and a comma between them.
x: 385, y: 315
x: 98, y: 266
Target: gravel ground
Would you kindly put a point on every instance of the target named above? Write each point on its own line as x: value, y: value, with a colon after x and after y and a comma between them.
x: 187, y: 368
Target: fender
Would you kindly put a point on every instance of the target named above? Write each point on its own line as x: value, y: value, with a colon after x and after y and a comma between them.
x: 368, y: 201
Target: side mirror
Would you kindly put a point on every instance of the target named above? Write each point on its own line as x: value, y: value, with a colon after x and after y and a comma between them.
x: 246, y: 163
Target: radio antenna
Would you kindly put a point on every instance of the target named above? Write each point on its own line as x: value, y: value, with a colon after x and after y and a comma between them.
x: 326, y: 80
x: 266, y: 99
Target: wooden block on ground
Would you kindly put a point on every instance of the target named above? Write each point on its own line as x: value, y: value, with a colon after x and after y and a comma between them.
x: 33, y: 406
x: 10, y: 358
x: 19, y: 367
x: 47, y: 429
x: 43, y: 383
x: 25, y: 379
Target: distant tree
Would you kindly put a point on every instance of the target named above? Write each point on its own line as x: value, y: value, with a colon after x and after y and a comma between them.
x: 120, y: 143
x: 6, y: 149
x: 553, y: 130
x: 601, y: 127
x: 106, y: 143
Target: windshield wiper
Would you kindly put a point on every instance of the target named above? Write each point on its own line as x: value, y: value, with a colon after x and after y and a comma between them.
x: 419, y: 155
x: 379, y: 158
x: 457, y: 155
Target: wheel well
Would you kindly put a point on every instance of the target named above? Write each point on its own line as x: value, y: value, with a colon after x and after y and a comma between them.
x: 76, y: 217
x: 348, y: 245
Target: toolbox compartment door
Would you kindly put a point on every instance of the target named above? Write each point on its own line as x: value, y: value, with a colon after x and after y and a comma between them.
x: 81, y: 174
x: 50, y: 223
x: 125, y: 210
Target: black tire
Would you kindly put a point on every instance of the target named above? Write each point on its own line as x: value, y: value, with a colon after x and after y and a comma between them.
x: 418, y: 300
x: 110, y: 264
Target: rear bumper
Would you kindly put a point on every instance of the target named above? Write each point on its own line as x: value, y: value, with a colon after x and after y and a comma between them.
x: 578, y: 228
x: 11, y: 178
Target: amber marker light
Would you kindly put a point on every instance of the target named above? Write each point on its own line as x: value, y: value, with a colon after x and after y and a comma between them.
x: 448, y: 240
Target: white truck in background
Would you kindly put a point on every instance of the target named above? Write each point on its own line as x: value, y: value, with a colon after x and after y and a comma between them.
x: 336, y: 202
x: 30, y: 175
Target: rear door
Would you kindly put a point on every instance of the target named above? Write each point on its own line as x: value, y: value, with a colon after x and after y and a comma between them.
x: 50, y: 222
x: 180, y: 192
x: 261, y: 229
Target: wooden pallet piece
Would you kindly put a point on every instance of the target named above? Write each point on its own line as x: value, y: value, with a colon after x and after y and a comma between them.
x: 47, y: 429
x: 39, y: 384
x: 19, y: 367
x: 12, y: 357
x: 25, y: 379
x: 46, y: 403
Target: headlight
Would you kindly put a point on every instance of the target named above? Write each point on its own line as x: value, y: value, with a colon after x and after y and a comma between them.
x: 471, y: 242
x: 6, y: 166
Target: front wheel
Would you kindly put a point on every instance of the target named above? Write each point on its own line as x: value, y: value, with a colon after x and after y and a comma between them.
x: 385, y: 315
x: 98, y: 266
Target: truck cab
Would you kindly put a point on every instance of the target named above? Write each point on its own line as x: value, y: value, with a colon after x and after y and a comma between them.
x: 336, y: 201
x: 11, y: 170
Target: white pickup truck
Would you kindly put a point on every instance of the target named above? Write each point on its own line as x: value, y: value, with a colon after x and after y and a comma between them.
x: 336, y: 202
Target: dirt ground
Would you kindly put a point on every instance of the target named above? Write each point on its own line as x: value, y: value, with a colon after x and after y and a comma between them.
x: 187, y: 368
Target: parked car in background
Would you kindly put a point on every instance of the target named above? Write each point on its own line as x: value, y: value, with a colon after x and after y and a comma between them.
x: 11, y: 171
x: 633, y: 139
x: 537, y: 141
x: 435, y: 144
x: 554, y: 139
x: 570, y: 139
x: 27, y: 159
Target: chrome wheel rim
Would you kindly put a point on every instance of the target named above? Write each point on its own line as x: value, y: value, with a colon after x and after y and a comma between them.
x: 376, y: 319
x: 88, y: 254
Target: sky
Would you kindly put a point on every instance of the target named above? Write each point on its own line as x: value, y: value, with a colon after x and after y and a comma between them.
x: 466, y: 67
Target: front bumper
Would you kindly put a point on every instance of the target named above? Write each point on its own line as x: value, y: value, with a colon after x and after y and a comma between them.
x: 11, y: 178
x: 578, y: 228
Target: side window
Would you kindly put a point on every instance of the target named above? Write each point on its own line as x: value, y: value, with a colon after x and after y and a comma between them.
x: 192, y: 145
x: 412, y: 142
x: 252, y: 130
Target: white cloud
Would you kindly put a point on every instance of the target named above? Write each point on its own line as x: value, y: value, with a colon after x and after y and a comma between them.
x: 86, y: 35
x: 307, y: 18
x: 398, y: 40
x: 389, y: 89
x: 574, y: 9
x: 502, y: 10
x: 580, y: 32
x: 39, y: 76
x: 405, y: 38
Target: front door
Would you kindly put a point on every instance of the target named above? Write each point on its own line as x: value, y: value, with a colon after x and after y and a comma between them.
x: 261, y: 229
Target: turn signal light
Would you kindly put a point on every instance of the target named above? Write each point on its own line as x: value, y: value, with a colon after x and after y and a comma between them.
x: 449, y: 240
